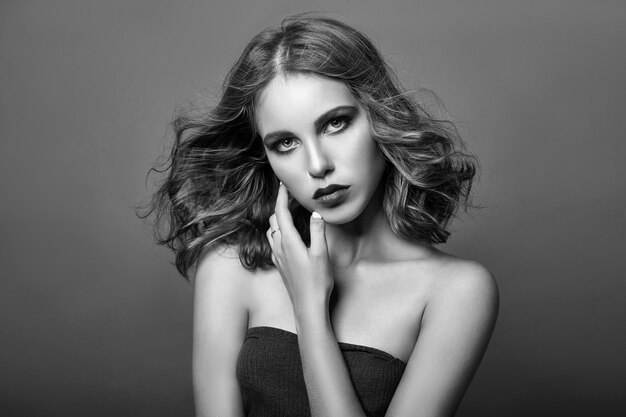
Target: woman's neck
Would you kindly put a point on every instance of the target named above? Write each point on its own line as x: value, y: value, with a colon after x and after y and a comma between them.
x: 358, y: 240
x: 370, y: 238
x: 363, y: 237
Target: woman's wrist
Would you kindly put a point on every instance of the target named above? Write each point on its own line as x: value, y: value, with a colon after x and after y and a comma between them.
x: 312, y: 316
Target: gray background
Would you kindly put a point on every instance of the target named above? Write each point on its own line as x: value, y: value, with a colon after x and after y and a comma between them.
x: 95, y: 321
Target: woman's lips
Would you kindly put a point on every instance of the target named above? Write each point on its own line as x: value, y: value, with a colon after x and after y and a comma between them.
x: 328, y: 190
x: 331, y: 196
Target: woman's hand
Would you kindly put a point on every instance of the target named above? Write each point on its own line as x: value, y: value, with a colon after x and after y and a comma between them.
x: 306, y: 272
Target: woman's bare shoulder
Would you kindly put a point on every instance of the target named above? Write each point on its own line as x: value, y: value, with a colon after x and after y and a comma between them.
x: 463, y: 280
x: 220, y: 267
x: 220, y: 320
x: 446, y: 275
x: 219, y: 258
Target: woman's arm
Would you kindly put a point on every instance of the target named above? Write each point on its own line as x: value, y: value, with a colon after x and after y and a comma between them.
x: 456, y: 327
x: 328, y: 383
x: 220, y: 323
x: 307, y: 274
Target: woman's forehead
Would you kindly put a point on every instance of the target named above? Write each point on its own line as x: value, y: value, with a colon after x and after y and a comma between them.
x: 299, y: 98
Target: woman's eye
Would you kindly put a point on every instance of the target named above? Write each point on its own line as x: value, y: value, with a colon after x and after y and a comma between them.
x: 335, y: 125
x: 285, y: 145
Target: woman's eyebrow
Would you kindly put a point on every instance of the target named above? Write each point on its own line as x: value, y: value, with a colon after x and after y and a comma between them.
x: 273, y: 136
x: 323, y: 118
x: 318, y: 123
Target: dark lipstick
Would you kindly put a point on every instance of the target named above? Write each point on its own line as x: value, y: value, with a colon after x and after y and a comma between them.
x: 320, y: 192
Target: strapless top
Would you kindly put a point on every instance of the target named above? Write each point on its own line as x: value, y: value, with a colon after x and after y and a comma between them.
x: 270, y: 375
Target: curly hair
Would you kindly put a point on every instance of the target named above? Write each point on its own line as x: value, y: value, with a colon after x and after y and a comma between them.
x: 220, y: 189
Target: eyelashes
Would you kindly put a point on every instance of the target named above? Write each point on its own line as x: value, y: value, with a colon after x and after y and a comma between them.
x: 284, y: 145
x: 335, y: 125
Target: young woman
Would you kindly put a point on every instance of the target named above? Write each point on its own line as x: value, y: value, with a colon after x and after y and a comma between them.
x: 305, y: 205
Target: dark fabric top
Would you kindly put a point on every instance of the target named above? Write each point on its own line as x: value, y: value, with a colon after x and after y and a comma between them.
x: 270, y: 375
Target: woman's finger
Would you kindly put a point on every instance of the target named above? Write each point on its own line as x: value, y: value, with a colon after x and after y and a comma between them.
x: 273, y: 236
x: 283, y: 216
x: 274, y: 232
x: 273, y: 222
x: 270, y: 240
x: 318, y: 235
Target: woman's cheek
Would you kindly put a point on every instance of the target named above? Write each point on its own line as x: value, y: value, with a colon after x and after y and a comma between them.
x: 277, y: 168
x: 287, y: 173
x: 284, y: 173
x: 298, y: 197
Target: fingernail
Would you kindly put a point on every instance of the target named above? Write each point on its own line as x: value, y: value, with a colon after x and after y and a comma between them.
x: 316, y: 215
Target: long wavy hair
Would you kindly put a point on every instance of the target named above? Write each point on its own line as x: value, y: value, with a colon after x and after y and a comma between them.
x: 219, y: 188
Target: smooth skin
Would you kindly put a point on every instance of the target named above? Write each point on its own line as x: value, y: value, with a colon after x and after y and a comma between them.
x: 427, y: 308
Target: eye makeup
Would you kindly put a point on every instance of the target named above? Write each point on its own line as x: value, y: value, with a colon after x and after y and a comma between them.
x: 346, y: 113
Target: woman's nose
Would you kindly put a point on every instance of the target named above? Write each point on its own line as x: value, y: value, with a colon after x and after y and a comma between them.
x: 319, y: 163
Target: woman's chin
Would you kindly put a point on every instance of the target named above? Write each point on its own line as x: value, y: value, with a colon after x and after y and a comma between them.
x: 338, y: 215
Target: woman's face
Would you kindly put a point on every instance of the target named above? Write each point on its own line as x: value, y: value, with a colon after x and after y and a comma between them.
x: 318, y: 141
